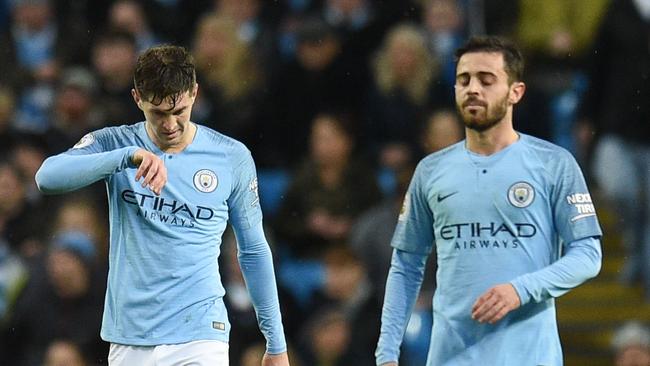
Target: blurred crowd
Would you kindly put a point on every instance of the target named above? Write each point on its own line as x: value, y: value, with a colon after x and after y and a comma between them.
x: 337, y: 100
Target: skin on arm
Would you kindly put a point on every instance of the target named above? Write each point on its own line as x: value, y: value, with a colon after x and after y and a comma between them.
x: 495, y: 303
x: 280, y: 359
x: 151, y: 169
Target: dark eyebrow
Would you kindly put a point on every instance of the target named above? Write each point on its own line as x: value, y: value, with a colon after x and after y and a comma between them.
x: 486, y: 73
x: 171, y: 110
x: 480, y: 74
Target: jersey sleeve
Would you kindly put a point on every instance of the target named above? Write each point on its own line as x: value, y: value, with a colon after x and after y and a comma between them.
x: 244, y: 203
x: 414, y: 231
x: 573, y: 210
x: 254, y: 254
x: 402, y: 288
x: 86, y: 162
x: 577, y: 226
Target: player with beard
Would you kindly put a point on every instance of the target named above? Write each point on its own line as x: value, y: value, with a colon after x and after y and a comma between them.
x: 512, y: 223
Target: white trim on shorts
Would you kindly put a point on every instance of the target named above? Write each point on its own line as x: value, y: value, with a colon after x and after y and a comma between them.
x: 195, y: 353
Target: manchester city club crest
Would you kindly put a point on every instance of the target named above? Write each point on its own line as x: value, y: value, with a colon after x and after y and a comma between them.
x: 205, y: 180
x: 521, y: 194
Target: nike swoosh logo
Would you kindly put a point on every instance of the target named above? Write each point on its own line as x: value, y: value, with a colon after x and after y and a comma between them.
x: 442, y: 198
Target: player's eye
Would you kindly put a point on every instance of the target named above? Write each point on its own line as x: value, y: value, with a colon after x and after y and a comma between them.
x: 462, y: 80
x: 488, y: 80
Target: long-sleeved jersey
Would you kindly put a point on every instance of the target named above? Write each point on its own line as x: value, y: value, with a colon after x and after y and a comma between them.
x: 164, y: 285
x: 521, y: 216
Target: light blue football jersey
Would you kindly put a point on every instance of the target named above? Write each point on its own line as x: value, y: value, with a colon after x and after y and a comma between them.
x: 504, y: 218
x: 164, y: 285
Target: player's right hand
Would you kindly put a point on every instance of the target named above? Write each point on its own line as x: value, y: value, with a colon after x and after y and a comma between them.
x: 151, y: 169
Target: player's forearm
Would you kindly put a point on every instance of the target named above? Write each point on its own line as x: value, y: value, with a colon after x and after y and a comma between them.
x: 256, y: 264
x: 67, y: 172
x: 580, y: 262
x: 402, y: 287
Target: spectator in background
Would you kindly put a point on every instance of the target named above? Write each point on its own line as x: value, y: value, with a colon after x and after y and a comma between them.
x: 444, y: 29
x: 229, y: 78
x: 114, y: 56
x: 320, y: 78
x: 174, y: 20
x: 631, y: 344
x: 405, y: 86
x: 617, y: 107
x: 371, y: 233
x: 63, y: 301
x: 81, y: 214
x: 21, y: 224
x: 348, y: 289
x: 290, y: 14
x: 555, y: 38
x: 252, y: 27
x: 27, y: 155
x: 129, y: 16
x: 329, y: 341
x: 442, y: 128
x: 328, y: 191
x: 75, y: 112
x: 8, y: 132
x: 358, y: 24
x: 13, y: 276
x: 64, y: 353
x: 31, y: 61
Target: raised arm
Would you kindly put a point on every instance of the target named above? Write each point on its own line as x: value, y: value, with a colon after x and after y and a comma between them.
x: 67, y: 172
x: 89, y: 161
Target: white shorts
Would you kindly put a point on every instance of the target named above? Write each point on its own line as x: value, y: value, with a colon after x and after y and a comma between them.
x: 196, y: 353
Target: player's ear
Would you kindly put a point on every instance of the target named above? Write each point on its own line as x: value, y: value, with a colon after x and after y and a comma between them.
x: 136, y: 98
x: 517, y: 90
x: 195, y: 90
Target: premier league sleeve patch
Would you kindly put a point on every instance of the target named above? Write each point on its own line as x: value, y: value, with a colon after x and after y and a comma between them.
x: 406, y: 207
x: 85, y: 141
x: 253, y: 188
x: 521, y: 194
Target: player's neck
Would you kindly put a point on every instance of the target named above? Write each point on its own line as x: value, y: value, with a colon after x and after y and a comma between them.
x: 493, y: 140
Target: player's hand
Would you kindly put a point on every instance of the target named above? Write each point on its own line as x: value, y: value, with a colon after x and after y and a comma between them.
x: 280, y: 359
x: 389, y: 364
x: 495, y: 303
x: 151, y: 169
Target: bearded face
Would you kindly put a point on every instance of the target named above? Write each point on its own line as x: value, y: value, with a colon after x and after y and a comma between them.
x: 480, y: 115
x: 484, y: 94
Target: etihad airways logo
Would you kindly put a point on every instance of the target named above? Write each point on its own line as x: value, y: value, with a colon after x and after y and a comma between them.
x: 474, y: 235
x: 172, y: 212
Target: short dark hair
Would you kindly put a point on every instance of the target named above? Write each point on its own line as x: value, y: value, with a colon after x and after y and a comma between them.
x: 164, y: 72
x: 512, y: 57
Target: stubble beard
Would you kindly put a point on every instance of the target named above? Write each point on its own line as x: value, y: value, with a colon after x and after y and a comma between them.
x: 492, y: 116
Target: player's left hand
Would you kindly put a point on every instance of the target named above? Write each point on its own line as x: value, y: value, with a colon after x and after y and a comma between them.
x: 495, y: 303
x: 280, y: 359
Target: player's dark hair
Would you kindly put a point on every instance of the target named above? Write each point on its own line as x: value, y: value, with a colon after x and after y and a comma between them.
x: 512, y: 57
x: 164, y: 72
